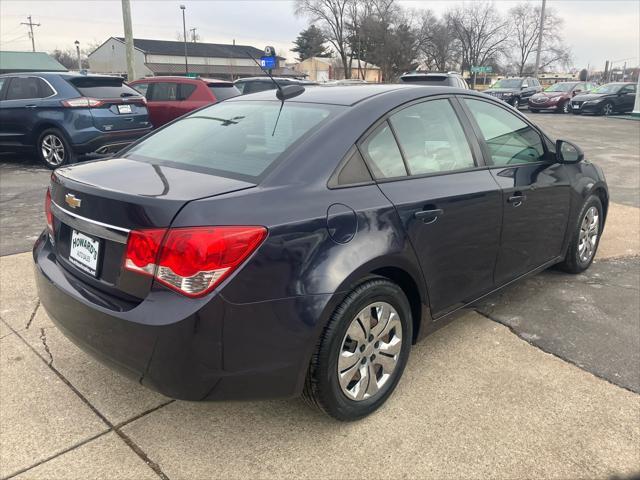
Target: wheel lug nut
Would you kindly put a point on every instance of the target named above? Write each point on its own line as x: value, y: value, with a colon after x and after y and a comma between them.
x: 371, y: 338
x: 364, y: 360
x: 372, y: 358
x: 362, y: 348
x: 377, y: 345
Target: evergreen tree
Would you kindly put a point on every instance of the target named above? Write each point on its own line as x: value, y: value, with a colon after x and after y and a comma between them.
x: 310, y: 43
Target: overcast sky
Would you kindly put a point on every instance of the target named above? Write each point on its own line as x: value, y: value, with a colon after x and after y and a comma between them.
x: 596, y: 30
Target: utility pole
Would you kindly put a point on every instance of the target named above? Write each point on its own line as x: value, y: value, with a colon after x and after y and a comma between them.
x: 184, y: 32
x: 541, y: 33
x: 636, y: 105
x: 193, y: 34
x: 77, y: 44
x: 128, y: 39
x: 31, y: 25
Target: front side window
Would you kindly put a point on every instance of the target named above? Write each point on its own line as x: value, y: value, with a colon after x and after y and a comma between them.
x: 164, y: 92
x: 511, y: 141
x: 232, y: 139
x: 432, y: 138
x: 629, y: 89
x: 383, y: 153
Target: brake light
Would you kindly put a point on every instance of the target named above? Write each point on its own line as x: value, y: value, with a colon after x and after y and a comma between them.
x: 82, y: 102
x: 191, y: 261
x: 48, y: 212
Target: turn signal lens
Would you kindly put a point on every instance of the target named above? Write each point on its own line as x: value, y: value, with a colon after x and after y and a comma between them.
x: 48, y: 212
x: 191, y: 261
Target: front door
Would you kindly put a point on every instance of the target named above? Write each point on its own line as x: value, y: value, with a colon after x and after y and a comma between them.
x: 535, y: 190
x: 450, y: 209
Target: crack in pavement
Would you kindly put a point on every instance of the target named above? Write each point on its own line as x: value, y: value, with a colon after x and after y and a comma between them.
x: 530, y: 341
x: 111, y: 427
x: 33, y: 314
x: 43, y: 338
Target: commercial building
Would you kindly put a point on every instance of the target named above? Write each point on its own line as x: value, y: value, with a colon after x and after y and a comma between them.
x: 166, y: 57
x: 18, y: 62
x: 324, y: 69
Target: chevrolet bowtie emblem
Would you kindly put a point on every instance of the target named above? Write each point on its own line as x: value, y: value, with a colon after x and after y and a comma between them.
x: 72, y: 201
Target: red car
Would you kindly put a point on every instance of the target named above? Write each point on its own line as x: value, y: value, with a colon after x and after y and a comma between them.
x: 557, y: 97
x: 171, y: 97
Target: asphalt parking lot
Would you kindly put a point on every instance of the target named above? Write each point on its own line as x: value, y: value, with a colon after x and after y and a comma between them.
x: 539, y: 381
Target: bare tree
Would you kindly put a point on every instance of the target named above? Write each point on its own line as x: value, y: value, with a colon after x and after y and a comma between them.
x: 482, y: 33
x: 332, y: 17
x: 526, y: 32
x: 439, y: 47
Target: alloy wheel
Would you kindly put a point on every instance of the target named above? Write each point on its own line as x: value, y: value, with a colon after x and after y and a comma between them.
x: 370, y: 351
x: 53, y: 150
x: 607, y: 109
x: 588, y: 237
x: 516, y: 103
x: 565, y: 107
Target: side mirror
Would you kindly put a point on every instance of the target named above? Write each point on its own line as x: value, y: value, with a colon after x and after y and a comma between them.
x: 567, y: 152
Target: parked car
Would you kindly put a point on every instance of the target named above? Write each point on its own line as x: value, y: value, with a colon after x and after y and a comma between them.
x: 260, y: 84
x: 616, y: 97
x: 259, y: 248
x: 171, y: 97
x: 515, y: 91
x: 557, y: 97
x: 64, y: 115
x: 451, y: 79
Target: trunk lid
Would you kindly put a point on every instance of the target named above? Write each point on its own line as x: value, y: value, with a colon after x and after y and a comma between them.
x: 96, y: 204
x: 120, y: 108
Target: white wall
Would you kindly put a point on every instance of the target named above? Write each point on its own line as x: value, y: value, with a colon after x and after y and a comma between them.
x: 179, y: 60
x: 111, y: 57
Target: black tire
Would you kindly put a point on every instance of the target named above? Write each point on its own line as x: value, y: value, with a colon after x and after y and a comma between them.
x: 564, y: 107
x: 322, y: 388
x: 53, y: 136
x: 573, y: 263
x: 515, y: 103
x: 533, y: 110
x: 607, y: 109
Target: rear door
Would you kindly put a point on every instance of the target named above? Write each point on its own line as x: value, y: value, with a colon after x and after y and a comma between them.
x: 450, y: 208
x: 161, y: 101
x: 19, y: 109
x: 119, y: 106
x: 535, y: 189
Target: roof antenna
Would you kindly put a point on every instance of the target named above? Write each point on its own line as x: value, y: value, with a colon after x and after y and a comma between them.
x: 280, y: 94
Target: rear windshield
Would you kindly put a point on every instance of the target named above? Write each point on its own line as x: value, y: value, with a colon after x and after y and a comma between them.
x: 103, y: 87
x: 425, y: 80
x: 233, y: 139
x: 222, y: 91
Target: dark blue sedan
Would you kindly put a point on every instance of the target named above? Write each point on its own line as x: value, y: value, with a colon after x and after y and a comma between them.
x: 261, y: 248
x: 64, y: 115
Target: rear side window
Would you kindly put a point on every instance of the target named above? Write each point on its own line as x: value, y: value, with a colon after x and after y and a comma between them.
x: 233, y: 139
x: 222, y: 91
x: 103, y: 87
x: 22, y: 88
x: 142, y: 88
x: 185, y: 90
x: 432, y: 138
x: 383, y: 153
x: 510, y: 140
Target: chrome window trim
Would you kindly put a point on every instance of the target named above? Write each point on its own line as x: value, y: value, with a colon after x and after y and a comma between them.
x: 94, y: 227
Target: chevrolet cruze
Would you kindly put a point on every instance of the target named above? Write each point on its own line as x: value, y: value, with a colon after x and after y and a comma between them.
x: 295, y: 243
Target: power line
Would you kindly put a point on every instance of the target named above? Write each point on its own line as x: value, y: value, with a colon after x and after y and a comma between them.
x: 31, y: 25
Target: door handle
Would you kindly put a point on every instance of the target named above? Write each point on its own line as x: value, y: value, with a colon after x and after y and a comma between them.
x: 30, y: 106
x: 429, y: 216
x: 516, y: 199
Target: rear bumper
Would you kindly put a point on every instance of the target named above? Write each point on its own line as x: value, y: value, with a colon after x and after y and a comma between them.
x: 203, y: 349
x: 109, y: 142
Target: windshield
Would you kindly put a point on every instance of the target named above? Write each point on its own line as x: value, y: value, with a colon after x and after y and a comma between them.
x: 608, y: 88
x: 233, y: 139
x: 560, y: 87
x: 508, y: 83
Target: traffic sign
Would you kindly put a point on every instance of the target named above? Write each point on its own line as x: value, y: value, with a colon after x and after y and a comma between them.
x: 477, y: 69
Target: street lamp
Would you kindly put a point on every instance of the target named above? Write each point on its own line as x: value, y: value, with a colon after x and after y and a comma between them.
x: 184, y: 31
x: 77, y: 43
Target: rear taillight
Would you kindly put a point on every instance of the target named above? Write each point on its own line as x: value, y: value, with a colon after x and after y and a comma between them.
x: 191, y: 261
x: 82, y: 102
x: 48, y: 212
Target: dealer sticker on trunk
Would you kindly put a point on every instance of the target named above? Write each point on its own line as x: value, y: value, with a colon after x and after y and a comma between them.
x: 83, y: 252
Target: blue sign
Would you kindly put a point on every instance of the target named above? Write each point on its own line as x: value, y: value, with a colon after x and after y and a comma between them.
x: 268, y: 62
